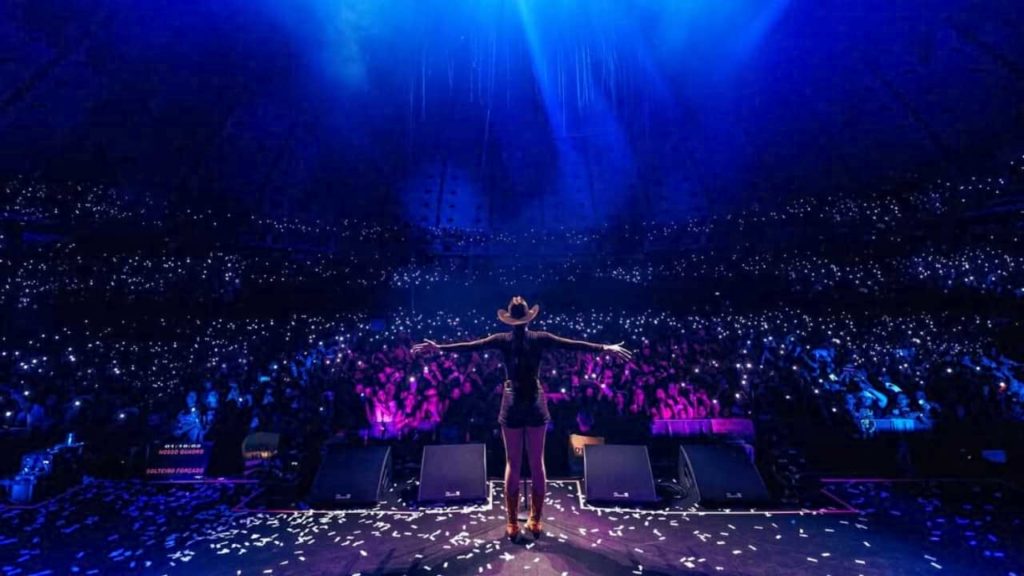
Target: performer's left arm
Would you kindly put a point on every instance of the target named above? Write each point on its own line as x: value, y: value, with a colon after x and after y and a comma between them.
x: 491, y: 341
x: 481, y: 344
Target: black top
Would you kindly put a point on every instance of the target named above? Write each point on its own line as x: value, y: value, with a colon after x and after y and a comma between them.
x: 522, y: 356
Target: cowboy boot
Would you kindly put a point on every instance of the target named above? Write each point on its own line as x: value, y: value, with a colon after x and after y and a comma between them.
x: 512, y: 513
x: 536, y: 508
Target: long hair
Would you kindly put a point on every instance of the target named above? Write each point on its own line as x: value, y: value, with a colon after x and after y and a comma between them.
x: 519, y: 344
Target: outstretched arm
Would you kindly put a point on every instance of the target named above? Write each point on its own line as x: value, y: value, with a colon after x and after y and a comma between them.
x: 583, y: 346
x: 431, y: 346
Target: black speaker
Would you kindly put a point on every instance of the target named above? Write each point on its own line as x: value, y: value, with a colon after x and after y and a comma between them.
x: 721, y: 474
x: 453, y: 473
x: 351, y: 475
x: 617, y: 474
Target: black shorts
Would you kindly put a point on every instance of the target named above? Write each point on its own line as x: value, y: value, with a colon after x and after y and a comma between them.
x: 523, y: 406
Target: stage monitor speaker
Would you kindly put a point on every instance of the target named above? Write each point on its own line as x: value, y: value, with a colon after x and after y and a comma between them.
x: 351, y: 475
x: 453, y: 473
x: 617, y: 474
x: 24, y: 489
x: 721, y: 474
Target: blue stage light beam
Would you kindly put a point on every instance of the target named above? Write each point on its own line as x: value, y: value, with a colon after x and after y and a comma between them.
x: 590, y: 122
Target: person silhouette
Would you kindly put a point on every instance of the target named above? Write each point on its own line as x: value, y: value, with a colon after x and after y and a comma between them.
x: 524, y: 412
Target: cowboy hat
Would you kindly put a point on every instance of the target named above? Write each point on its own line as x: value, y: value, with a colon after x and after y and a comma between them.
x: 518, y: 312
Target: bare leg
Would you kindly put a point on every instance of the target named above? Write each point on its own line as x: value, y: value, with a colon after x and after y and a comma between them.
x: 513, y: 462
x: 513, y: 457
x: 535, y: 455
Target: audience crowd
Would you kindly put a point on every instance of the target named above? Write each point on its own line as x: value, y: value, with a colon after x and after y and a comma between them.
x: 945, y: 237
x: 354, y: 375
x: 224, y: 373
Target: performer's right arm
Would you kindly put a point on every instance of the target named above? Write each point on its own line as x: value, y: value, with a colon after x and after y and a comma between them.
x: 583, y: 346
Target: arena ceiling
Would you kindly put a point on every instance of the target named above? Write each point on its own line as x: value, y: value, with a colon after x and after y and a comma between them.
x: 494, y: 113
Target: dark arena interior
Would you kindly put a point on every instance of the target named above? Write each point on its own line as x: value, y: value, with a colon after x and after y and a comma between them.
x: 570, y: 287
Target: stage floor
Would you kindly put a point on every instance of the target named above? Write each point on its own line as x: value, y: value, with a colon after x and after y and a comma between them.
x: 870, y: 528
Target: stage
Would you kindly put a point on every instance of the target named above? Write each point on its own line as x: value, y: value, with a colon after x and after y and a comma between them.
x: 872, y: 527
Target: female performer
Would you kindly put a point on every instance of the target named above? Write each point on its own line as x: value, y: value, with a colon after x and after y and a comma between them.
x: 524, y: 409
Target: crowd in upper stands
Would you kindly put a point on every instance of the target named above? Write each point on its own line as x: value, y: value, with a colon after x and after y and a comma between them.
x: 310, y: 374
x: 953, y: 238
